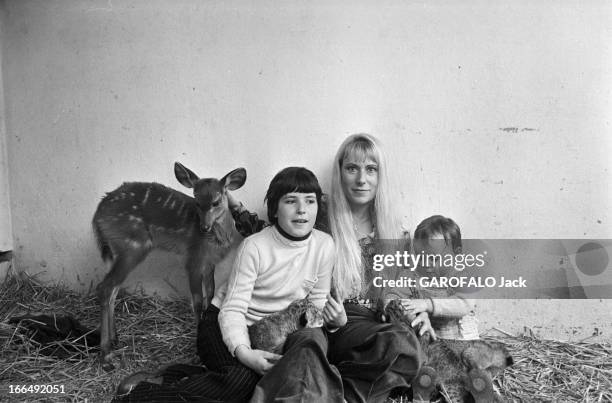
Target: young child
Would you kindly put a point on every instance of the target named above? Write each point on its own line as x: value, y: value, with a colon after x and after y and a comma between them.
x: 452, y: 315
x: 286, y: 261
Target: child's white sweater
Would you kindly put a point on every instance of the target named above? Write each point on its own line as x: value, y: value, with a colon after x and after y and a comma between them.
x: 271, y: 271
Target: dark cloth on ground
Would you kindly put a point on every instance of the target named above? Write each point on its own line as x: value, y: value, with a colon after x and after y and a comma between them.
x: 60, y: 336
x: 303, y: 375
x: 373, y: 358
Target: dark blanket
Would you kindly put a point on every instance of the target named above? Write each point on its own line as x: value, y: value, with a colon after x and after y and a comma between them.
x: 59, y: 336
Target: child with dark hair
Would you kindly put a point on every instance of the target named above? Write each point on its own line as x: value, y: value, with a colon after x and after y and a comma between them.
x: 452, y: 315
x: 280, y: 264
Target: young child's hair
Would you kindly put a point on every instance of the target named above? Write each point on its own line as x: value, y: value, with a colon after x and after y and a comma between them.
x: 439, y: 225
x: 289, y: 180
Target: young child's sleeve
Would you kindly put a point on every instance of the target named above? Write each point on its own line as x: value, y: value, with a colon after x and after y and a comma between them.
x: 318, y: 294
x: 452, y: 307
x: 232, y: 318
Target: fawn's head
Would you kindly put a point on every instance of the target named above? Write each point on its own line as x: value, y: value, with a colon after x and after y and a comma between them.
x: 210, y: 193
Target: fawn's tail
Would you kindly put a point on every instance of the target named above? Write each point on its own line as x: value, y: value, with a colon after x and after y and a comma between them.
x: 103, y: 245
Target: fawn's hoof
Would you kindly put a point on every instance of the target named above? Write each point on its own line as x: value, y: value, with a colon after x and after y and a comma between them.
x: 424, y: 384
x: 107, y: 366
x: 105, y: 361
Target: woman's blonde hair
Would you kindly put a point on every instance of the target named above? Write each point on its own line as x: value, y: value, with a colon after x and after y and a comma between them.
x: 349, y: 261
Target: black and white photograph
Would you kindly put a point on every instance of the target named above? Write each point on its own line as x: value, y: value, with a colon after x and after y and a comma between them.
x: 305, y: 201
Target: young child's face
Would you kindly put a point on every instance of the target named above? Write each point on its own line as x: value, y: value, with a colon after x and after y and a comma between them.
x: 435, y: 245
x: 297, y: 213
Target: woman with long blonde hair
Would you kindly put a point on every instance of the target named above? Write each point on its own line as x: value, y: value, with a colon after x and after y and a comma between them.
x: 373, y: 358
x: 360, y: 208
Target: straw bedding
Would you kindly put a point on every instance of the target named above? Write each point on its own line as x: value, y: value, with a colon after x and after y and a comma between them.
x: 155, y: 332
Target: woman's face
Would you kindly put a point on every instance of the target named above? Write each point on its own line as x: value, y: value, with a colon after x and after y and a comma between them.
x: 297, y: 213
x: 359, y: 180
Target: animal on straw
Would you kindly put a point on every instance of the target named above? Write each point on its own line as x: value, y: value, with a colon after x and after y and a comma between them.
x: 459, y: 369
x: 138, y: 217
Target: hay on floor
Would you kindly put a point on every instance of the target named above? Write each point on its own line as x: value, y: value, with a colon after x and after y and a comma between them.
x: 556, y: 371
x: 155, y: 332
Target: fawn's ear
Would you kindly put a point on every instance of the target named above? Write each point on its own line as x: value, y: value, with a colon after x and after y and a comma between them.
x: 184, y: 175
x: 235, y: 179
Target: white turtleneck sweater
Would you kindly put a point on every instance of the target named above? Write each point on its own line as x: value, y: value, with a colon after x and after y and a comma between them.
x: 269, y: 272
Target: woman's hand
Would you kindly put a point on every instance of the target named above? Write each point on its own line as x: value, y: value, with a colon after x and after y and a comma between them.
x: 258, y: 360
x: 423, y: 325
x: 334, y: 314
x: 416, y: 306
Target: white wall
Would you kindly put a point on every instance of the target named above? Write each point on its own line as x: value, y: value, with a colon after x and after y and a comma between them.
x: 497, y: 112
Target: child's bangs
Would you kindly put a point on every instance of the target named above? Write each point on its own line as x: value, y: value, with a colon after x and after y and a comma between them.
x: 360, y: 151
x: 304, y: 184
x: 436, y: 226
x: 429, y: 227
x: 297, y: 181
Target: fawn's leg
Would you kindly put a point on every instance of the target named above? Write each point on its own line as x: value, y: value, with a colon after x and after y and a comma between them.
x: 112, y: 331
x: 107, y: 291
x: 209, y: 284
x: 194, y: 272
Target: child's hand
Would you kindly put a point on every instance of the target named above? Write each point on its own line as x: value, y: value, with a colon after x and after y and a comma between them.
x: 258, y: 360
x: 334, y: 314
x: 423, y: 325
x: 416, y: 306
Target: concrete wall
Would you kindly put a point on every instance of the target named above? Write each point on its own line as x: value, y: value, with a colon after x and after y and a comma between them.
x: 496, y: 113
x: 6, y: 241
